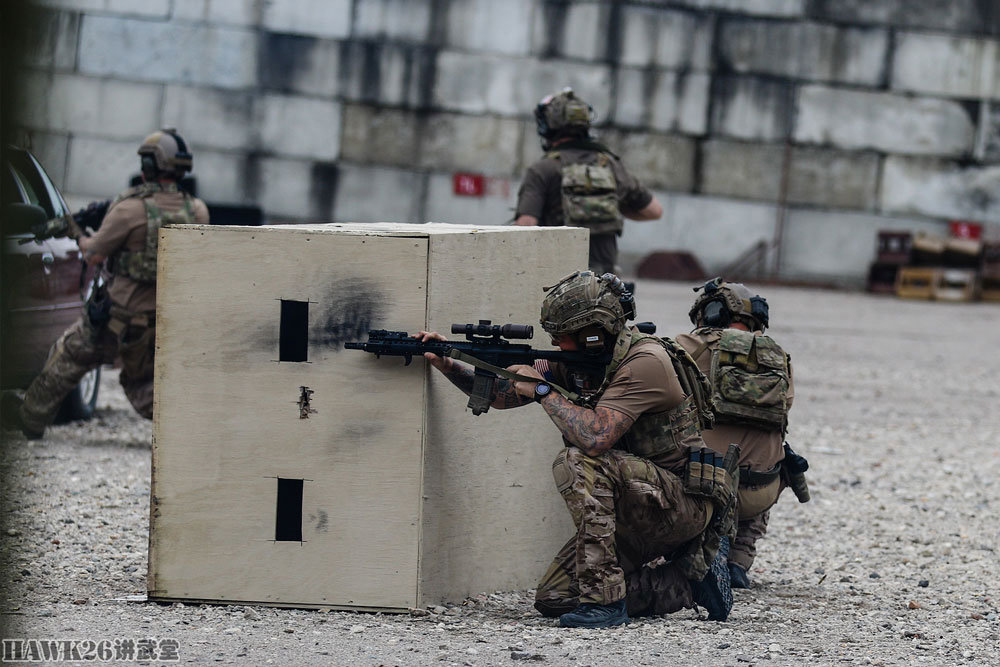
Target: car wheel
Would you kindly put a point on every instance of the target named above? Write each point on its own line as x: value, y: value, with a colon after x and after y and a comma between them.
x: 81, y: 402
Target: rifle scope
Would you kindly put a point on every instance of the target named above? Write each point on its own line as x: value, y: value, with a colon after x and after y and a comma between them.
x: 485, y: 328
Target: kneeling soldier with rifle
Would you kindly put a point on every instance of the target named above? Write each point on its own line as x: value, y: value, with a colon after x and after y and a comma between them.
x: 652, y: 505
x: 119, y: 318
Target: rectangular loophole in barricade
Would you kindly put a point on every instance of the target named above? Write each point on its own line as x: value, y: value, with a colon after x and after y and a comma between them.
x: 293, y: 342
x: 288, y: 521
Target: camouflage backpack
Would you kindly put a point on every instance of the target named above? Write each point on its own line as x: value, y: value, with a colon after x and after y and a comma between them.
x: 589, y: 196
x: 141, y: 265
x: 750, y: 380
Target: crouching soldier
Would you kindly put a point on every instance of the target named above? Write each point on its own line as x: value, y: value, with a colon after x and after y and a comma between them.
x: 752, y: 391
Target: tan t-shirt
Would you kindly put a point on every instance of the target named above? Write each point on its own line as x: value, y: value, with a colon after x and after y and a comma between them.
x: 124, y: 227
x: 645, y: 382
x: 761, y: 449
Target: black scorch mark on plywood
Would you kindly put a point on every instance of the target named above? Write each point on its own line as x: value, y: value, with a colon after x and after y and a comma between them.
x: 347, y: 312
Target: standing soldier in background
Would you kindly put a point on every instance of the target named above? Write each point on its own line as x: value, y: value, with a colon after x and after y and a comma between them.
x: 752, y: 390
x: 580, y: 182
x: 119, y: 318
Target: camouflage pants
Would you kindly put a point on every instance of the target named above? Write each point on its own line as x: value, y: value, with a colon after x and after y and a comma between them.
x: 628, y: 512
x: 79, y: 350
x: 755, y: 503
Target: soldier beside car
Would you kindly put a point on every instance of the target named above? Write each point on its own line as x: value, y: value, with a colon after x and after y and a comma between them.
x: 119, y: 318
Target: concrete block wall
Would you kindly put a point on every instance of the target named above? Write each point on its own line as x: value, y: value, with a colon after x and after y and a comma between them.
x: 810, y: 124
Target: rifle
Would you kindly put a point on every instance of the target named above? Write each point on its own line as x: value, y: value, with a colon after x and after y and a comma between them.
x: 484, y: 347
x: 71, y: 225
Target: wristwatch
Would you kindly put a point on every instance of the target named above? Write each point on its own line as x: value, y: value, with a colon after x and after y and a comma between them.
x: 541, y: 391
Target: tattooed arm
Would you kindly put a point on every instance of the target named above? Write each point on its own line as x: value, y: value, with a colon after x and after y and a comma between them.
x: 593, y: 431
x: 461, y: 375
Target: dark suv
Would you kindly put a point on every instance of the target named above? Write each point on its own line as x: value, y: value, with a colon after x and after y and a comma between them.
x: 44, y: 283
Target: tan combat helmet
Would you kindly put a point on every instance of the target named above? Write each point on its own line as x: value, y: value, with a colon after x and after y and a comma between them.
x: 721, y: 303
x: 587, y: 306
x: 168, y: 151
x: 562, y: 114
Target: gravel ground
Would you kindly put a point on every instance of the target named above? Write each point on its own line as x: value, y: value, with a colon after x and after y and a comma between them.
x: 894, y: 562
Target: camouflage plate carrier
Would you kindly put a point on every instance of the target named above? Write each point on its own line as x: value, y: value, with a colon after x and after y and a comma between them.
x: 589, y: 195
x: 141, y: 265
x: 750, y: 380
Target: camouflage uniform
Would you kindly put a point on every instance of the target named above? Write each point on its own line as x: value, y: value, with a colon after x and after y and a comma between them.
x: 130, y: 331
x: 636, y: 526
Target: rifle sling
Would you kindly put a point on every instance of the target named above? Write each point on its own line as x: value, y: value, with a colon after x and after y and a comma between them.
x: 504, y: 373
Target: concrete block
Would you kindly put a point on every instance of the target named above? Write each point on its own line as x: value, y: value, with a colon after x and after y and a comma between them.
x: 210, y: 117
x: 477, y: 83
x: 946, y: 65
x: 836, y: 246
x: 657, y: 160
x: 299, y: 126
x: 662, y: 100
x: 716, y: 231
x: 378, y: 135
x: 100, y: 167
x: 283, y: 189
x: 892, y: 123
x: 487, y: 25
x: 816, y: 176
x: 299, y: 64
x: 157, y: 51
x: 779, y: 8
x: 393, y: 19
x: 81, y: 104
x: 941, y: 188
x: 665, y: 38
x: 223, y: 177
x: 378, y: 194
x: 575, y: 30
x: 384, y: 73
x: 52, y: 150
x: 52, y: 40
x: 822, y: 52
x: 227, y: 12
x: 455, y: 142
x: 323, y: 18
x: 495, y: 208
x: 973, y: 16
x: 751, y: 108
x: 145, y: 8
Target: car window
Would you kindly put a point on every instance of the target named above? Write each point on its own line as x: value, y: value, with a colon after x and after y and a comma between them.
x: 58, y: 205
x: 12, y: 193
x: 26, y: 173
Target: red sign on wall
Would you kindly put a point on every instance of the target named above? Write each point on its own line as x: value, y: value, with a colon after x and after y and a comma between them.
x: 468, y: 185
x: 965, y: 230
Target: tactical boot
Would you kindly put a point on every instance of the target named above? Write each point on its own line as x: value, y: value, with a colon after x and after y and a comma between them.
x: 590, y: 615
x: 738, y: 576
x: 10, y: 414
x: 713, y: 592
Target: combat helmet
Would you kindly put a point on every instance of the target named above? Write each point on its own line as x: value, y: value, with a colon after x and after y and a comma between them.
x: 164, y: 151
x: 721, y: 303
x: 591, y: 307
x: 562, y: 114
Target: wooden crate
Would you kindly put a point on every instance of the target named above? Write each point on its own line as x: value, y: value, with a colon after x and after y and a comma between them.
x: 916, y: 282
x: 384, y: 492
x: 955, y: 285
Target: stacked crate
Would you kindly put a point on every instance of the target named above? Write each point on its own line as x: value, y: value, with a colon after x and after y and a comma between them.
x: 924, y: 266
